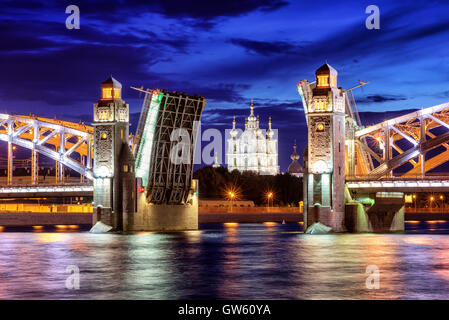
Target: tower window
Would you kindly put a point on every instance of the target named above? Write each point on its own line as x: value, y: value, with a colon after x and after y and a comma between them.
x: 103, y: 115
x: 104, y: 136
x: 323, y: 81
x: 321, y: 105
x: 106, y: 93
x: 121, y: 134
x: 125, y: 168
x: 122, y: 115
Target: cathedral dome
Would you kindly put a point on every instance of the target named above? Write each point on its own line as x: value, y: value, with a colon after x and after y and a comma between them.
x: 234, y: 131
x: 252, y: 119
x: 295, y: 167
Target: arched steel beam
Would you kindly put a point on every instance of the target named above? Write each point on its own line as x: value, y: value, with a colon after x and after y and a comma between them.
x: 36, y: 144
x: 411, y: 153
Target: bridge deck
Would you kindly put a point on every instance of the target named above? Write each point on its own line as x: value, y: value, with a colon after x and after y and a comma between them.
x: 399, y: 185
x: 69, y: 190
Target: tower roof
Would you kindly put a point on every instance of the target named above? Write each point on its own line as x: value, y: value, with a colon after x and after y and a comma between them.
x: 326, y: 69
x: 111, y: 82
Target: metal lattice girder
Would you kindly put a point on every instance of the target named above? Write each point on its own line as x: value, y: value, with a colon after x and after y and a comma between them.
x: 170, y: 182
x: 415, y: 128
x: 38, y: 134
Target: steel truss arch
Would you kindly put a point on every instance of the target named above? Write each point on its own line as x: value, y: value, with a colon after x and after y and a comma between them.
x: 36, y: 133
x: 415, y: 128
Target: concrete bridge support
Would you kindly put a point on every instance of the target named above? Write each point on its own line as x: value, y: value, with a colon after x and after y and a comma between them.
x: 378, y: 212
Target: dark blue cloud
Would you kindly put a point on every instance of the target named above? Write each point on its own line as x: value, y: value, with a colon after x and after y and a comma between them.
x: 266, y: 48
x: 378, y: 98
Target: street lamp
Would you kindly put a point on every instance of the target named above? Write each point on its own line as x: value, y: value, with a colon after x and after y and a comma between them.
x: 231, y: 195
x: 269, y: 197
x: 431, y: 200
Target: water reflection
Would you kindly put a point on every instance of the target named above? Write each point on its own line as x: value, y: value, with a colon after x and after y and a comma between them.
x: 236, y: 261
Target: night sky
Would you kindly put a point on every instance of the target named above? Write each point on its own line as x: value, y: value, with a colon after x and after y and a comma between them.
x: 227, y: 51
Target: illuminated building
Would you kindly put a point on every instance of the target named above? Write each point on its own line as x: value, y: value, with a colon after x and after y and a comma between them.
x: 253, y: 150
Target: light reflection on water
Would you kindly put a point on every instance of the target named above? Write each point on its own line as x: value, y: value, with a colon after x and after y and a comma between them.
x: 235, y: 261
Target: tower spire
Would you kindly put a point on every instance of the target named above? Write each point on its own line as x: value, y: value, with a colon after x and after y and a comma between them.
x: 294, y: 156
x: 233, y: 123
x: 216, y: 164
x: 252, y: 107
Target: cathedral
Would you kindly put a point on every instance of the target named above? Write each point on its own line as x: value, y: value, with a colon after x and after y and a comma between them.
x: 253, y: 150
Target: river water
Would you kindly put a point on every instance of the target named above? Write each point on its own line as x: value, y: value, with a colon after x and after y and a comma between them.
x: 227, y: 261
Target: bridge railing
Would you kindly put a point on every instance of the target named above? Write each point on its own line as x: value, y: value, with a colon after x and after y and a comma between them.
x: 401, y: 178
x: 427, y: 210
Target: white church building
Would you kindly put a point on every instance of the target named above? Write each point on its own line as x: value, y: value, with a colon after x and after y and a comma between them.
x: 254, y: 149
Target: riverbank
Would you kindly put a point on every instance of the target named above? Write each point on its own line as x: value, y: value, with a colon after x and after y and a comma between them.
x: 256, y: 215
x: 16, y: 219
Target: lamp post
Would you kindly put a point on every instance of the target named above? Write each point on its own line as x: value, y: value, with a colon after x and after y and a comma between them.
x: 269, y: 197
x: 231, y: 196
x: 442, y: 202
x: 414, y: 200
x: 431, y: 201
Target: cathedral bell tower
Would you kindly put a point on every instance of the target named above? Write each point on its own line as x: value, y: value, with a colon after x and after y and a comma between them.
x: 111, y: 130
x: 324, y: 107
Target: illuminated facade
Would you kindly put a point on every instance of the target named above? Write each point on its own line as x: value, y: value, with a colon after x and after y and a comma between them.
x: 324, y: 107
x: 253, y: 150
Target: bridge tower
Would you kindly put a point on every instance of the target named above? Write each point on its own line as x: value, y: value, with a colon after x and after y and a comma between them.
x: 113, y: 169
x: 324, y: 187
